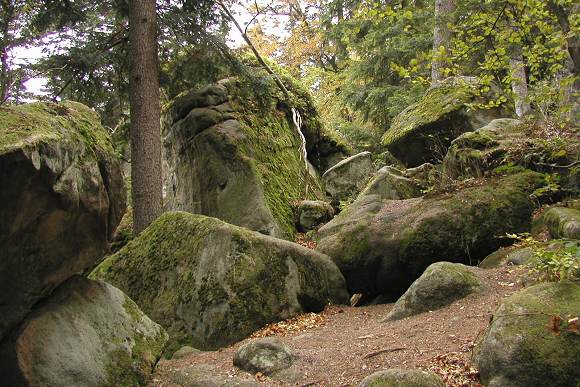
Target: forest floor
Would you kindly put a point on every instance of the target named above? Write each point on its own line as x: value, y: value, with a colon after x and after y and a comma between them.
x: 343, y: 345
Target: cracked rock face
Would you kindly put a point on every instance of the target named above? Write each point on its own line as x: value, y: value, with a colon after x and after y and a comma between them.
x: 62, y: 197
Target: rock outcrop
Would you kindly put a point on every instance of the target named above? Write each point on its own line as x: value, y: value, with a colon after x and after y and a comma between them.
x: 440, y: 285
x: 530, y: 341
x: 87, y: 333
x: 62, y: 197
x: 423, y: 131
x: 382, y: 246
x: 347, y: 178
x: 234, y: 154
x: 210, y: 283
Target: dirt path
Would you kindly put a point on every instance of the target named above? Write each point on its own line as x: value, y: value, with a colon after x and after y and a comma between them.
x: 346, y: 347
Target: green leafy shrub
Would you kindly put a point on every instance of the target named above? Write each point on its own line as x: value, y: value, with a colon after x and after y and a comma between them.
x: 557, y: 261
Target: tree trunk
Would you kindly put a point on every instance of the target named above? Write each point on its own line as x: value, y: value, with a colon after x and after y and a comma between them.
x: 519, y: 84
x: 442, y: 35
x: 146, y: 189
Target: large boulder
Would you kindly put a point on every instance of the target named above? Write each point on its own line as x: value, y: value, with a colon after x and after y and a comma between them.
x: 440, y: 285
x: 382, y: 246
x: 423, y: 131
x: 561, y: 222
x: 530, y: 341
x: 233, y: 153
x: 210, y: 283
x: 61, y: 199
x: 347, y: 178
x: 507, y: 145
x: 266, y: 355
x: 87, y: 333
x: 398, y: 377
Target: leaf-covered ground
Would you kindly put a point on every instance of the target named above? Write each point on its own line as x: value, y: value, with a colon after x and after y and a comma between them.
x: 342, y: 345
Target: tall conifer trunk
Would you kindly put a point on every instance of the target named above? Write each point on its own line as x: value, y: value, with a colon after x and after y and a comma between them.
x: 145, y: 113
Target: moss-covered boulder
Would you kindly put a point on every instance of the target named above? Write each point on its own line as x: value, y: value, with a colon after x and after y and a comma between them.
x: 561, y: 222
x: 61, y: 199
x: 87, y: 333
x: 440, y: 285
x: 312, y: 213
x: 423, y: 132
x: 210, y: 283
x: 398, y: 377
x: 232, y: 152
x: 382, y: 246
x: 529, y: 341
x: 346, y: 179
x: 507, y: 146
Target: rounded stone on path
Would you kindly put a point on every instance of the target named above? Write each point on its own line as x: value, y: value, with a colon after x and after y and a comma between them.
x: 441, y: 284
x: 398, y: 377
x: 185, y: 351
x: 266, y: 355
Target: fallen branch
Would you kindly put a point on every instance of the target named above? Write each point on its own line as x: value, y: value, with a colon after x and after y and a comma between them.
x: 375, y: 353
x: 311, y: 383
x: 559, y: 166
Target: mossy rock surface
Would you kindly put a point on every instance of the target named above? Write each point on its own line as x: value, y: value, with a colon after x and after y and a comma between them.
x: 398, y: 377
x: 509, y: 146
x: 512, y: 255
x: 62, y: 197
x: 562, y: 222
x: 87, y: 333
x: 519, y: 349
x: 311, y: 213
x: 395, y: 184
x: 382, y: 246
x: 211, y: 284
x: 441, y: 284
x: 423, y: 131
x: 234, y: 154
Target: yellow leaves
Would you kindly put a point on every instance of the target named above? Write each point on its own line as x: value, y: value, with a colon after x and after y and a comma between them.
x: 299, y: 323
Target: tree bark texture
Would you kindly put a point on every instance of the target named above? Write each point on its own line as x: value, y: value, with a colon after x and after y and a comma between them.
x: 442, y: 35
x: 519, y: 85
x: 146, y: 180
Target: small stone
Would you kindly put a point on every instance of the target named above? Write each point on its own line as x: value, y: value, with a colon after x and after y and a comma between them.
x: 267, y: 355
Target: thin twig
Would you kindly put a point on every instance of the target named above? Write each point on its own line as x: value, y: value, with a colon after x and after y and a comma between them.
x: 375, y: 353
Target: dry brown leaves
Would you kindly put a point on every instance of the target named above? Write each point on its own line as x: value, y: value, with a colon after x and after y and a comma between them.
x: 304, y: 240
x: 299, y: 323
x: 454, y: 370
